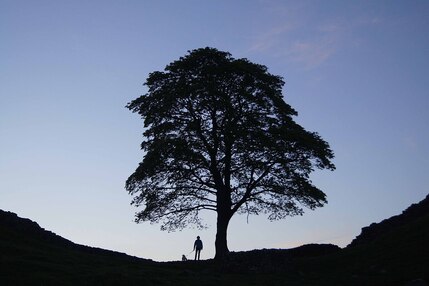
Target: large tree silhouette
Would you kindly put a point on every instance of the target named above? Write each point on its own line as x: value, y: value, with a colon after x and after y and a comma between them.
x: 218, y: 136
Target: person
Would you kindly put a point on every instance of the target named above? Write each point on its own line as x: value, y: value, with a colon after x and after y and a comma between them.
x: 198, y: 245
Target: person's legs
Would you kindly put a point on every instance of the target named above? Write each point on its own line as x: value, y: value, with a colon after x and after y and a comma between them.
x: 197, y: 254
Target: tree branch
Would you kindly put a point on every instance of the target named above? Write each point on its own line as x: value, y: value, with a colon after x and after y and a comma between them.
x: 190, y: 209
x: 250, y: 188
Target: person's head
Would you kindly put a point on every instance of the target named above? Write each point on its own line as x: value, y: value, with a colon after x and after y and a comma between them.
x: 198, y: 237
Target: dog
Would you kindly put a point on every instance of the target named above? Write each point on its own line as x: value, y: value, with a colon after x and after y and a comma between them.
x: 184, y: 258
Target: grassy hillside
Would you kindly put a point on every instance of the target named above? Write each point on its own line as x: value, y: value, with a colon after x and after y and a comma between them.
x: 395, y: 253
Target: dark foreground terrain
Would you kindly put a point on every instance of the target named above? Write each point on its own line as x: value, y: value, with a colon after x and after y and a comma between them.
x: 392, y: 252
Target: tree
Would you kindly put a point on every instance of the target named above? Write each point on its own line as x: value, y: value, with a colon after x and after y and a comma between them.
x: 219, y: 136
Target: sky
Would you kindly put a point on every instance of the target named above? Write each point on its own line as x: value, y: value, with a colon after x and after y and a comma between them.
x: 357, y: 72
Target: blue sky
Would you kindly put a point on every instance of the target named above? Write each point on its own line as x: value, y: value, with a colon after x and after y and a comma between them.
x: 357, y: 72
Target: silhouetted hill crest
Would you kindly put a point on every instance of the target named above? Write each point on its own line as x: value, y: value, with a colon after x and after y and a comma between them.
x: 30, y: 232
x: 375, y: 230
x: 30, y: 229
x: 392, y: 252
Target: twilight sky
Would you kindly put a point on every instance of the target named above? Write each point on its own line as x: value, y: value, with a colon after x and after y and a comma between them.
x: 357, y: 72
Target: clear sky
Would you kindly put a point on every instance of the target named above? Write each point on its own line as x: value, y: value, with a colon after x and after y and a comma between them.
x: 357, y: 72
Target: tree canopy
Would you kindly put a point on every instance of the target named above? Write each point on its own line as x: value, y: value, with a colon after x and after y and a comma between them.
x: 219, y: 136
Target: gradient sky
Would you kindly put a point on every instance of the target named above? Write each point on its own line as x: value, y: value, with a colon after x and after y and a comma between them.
x: 357, y: 72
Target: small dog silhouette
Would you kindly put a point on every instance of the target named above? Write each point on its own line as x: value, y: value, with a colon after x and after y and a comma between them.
x: 184, y: 258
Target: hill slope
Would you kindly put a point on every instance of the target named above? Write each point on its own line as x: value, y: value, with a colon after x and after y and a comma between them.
x: 393, y: 252
x: 377, y: 230
x: 29, y: 254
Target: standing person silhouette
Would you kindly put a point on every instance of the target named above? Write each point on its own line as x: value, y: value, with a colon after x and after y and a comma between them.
x: 198, y: 245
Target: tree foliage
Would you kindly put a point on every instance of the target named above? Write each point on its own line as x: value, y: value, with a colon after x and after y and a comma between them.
x: 219, y: 136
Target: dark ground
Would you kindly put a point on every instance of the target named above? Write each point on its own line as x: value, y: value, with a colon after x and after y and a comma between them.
x: 393, y: 252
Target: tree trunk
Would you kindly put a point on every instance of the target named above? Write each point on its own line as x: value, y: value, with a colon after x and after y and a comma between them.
x: 221, y: 236
x: 224, y: 214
